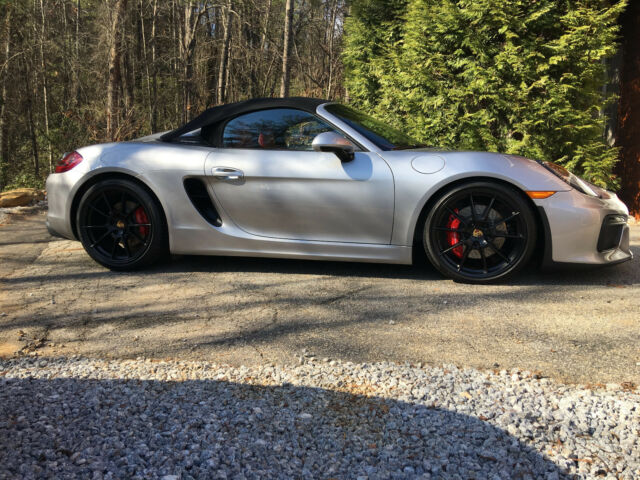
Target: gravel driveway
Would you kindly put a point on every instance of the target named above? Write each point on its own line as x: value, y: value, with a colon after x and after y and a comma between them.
x: 81, y: 418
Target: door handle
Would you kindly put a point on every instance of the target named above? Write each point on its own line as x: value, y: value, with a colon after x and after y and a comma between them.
x: 227, y: 173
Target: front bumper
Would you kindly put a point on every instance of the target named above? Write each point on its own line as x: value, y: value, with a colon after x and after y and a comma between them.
x: 585, y: 230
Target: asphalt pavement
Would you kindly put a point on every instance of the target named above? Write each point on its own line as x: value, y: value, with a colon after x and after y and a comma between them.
x: 576, y: 326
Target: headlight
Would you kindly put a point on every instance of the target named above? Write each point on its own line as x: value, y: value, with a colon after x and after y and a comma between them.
x: 575, y: 181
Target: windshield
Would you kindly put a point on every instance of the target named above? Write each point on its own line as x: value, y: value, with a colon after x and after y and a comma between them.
x: 384, y: 136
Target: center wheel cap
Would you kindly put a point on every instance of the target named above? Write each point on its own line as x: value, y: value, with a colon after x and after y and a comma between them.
x: 477, y: 232
x: 120, y: 224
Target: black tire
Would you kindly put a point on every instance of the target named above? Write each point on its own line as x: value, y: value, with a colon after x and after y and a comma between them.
x: 121, y: 226
x: 480, y: 232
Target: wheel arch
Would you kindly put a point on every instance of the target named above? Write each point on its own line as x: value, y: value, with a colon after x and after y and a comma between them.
x: 89, y: 182
x: 543, y: 238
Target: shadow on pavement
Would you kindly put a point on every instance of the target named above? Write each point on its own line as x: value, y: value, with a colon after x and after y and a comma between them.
x: 626, y: 273
x: 86, y: 428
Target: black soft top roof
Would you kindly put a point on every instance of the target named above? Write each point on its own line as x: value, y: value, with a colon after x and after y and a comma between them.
x: 220, y: 113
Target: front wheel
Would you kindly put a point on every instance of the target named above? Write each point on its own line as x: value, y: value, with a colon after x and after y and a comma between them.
x: 480, y: 232
x: 120, y: 225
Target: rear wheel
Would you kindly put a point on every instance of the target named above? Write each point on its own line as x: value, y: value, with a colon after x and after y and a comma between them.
x: 121, y: 225
x: 480, y: 232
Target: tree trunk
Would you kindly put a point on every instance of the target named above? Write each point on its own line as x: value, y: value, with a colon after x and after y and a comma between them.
x: 286, y: 50
x: 45, y: 95
x: 176, y: 52
x: 185, y: 56
x: 75, y: 83
x: 154, y: 70
x: 332, y: 31
x: 30, y: 95
x: 224, y: 56
x: 182, y: 62
x: 129, y: 77
x: 213, y: 16
x: 34, y: 140
x: 628, y: 131
x: 262, y: 52
x: 115, y: 75
x: 143, y: 41
x: 4, y: 72
x: 66, y: 63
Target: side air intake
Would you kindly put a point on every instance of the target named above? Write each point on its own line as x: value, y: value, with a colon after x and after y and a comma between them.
x: 199, y: 196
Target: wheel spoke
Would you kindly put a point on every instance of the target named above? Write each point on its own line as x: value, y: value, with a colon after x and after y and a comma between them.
x: 485, y: 214
x: 484, y: 261
x: 95, y: 226
x: 500, y: 235
x: 135, y: 234
x: 106, y: 200
x: 131, y: 210
x: 446, y: 229
x: 451, y: 247
x: 122, y: 204
x: 97, y: 210
x: 500, y: 254
x: 462, y: 220
x: 473, y: 209
x: 101, y: 238
x: 125, y: 242
x: 113, y: 249
x: 465, y: 255
x: 511, y: 217
x: 139, y: 225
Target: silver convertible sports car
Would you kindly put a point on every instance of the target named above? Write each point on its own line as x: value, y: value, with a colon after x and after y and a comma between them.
x: 313, y: 179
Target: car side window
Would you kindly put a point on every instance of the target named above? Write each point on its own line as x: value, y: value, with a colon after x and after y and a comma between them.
x: 193, y: 137
x: 276, y: 129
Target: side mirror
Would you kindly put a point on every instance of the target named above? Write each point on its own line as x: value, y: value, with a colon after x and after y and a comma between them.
x: 336, y: 143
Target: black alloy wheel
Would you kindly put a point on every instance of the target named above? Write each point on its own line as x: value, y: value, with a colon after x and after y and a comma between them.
x: 121, y: 225
x: 480, y: 232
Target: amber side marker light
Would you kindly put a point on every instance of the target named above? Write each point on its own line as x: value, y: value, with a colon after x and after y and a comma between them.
x: 540, y: 195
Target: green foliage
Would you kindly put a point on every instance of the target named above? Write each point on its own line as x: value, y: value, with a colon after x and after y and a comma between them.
x: 165, y: 72
x: 516, y: 76
x: 25, y: 180
x: 374, y: 27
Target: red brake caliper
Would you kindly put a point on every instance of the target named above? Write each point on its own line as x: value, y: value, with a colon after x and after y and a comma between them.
x: 141, y: 217
x: 454, y: 237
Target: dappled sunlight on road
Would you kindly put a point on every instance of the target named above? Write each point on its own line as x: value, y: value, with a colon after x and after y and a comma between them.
x: 574, y: 325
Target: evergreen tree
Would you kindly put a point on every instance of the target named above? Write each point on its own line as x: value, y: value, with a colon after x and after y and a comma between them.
x: 516, y: 76
x: 375, y: 27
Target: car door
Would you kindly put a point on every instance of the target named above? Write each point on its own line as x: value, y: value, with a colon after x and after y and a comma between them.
x: 270, y: 182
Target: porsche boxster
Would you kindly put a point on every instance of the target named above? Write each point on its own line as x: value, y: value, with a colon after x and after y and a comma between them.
x: 315, y: 179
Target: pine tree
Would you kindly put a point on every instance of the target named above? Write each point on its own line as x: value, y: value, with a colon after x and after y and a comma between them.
x: 375, y: 27
x: 516, y: 76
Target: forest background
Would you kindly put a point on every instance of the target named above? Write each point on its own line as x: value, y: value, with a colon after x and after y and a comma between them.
x: 553, y: 80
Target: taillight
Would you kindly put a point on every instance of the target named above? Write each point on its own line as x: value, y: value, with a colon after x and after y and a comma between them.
x: 68, y: 161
